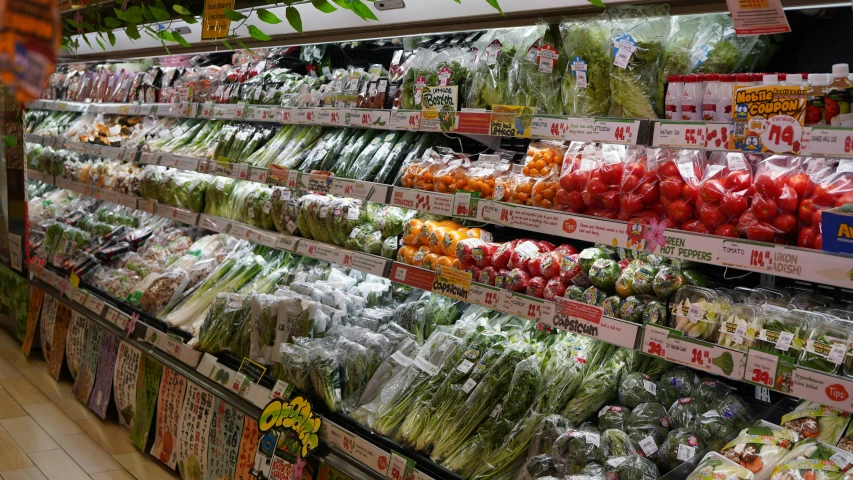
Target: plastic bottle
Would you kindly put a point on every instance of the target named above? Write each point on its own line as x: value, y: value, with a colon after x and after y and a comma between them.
x: 726, y: 94
x: 770, y: 79
x: 674, y: 89
x: 783, y: 78
x: 794, y: 79
x: 815, y: 106
x: 839, y: 96
x: 691, y: 99
x: 711, y: 98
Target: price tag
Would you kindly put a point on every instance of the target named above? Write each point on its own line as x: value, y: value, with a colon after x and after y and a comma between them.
x: 281, y: 389
x: 266, y: 238
x: 357, y: 118
x: 288, y: 243
x: 238, y: 230
x: 127, y: 201
x: 341, y: 439
x: 654, y: 341
x: 286, y: 115
x: 650, y: 387
x: 400, y: 467
x: 761, y: 368
x: 695, y: 313
x: 304, y: 116
x: 750, y: 256
x: 717, y: 136
x: 680, y: 134
x: 78, y: 295
x: 529, y: 307
x: 830, y: 141
x: 549, y: 127
x: 836, y: 354
x: 842, y: 458
x: 465, y: 366
x: 181, y: 163
x: 648, y: 445
x: 260, y: 113
x: 453, y: 283
x: 685, y: 452
x: 149, y: 158
x: 784, y: 341
x: 616, y: 131
x: 469, y: 385
x: 405, y: 120
x: 94, y: 304
x: 485, y: 295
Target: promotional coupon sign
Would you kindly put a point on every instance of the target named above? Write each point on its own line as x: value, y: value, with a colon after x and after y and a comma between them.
x: 288, y: 431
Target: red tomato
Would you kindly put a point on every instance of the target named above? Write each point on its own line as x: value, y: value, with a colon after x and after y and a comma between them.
x: 816, y: 219
x: 671, y: 188
x: 611, y: 173
x: 631, y: 203
x: 596, y: 186
x: 576, y: 200
x: 712, y: 191
x: 764, y: 208
x: 562, y: 198
x: 844, y: 198
x: 800, y: 183
x: 690, y: 225
x: 665, y: 203
x: 760, y: 231
x: 788, y: 199
x: 689, y: 192
x: 726, y: 230
x: 566, y: 182
x: 680, y: 210
x: 610, y: 200
x: 580, y: 179
x: 806, y: 238
x: 737, y: 180
x: 766, y: 185
x: 670, y: 223
x: 732, y: 205
x: 711, y: 216
x: 818, y: 241
x: 823, y: 197
x: 806, y: 211
x: 668, y: 169
x: 630, y: 183
x: 636, y: 168
x: 785, y: 223
x: 701, y: 228
x: 650, y: 192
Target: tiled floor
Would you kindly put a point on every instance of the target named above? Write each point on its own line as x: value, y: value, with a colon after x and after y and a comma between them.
x: 46, y: 433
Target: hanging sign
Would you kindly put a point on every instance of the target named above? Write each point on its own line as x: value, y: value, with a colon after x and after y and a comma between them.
x: 214, y: 23
x: 88, y: 363
x: 147, y: 389
x: 33, y: 311
x: 758, y: 17
x: 193, y: 432
x: 74, y: 343
x: 226, y: 425
x: 289, y: 430
x: 169, y: 402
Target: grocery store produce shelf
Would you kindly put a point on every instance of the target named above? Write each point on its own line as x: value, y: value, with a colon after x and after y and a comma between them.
x: 343, y: 441
x: 770, y: 371
x: 818, y: 140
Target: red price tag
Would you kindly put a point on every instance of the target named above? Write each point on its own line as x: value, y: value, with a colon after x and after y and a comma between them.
x: 694, y: 136
x: 309, y: 116
x: 700, y: 356
x: 654, y: 348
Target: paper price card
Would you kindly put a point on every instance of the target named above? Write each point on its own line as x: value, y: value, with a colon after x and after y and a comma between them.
x: 181, y: 163
x: 485, y: 295
x: 547, y: 126
x: 339, y: 437
x: 751, y: 256
x: 412, y: 276
x: 829, y: 141
x: 616, y: 131
x: 768, y: 119
x: 671, y: 345
x: 510, y: 121
x: 149, y: 158
x: 405, y: 120
x: 226, y: 425
x: 371, y: 455
x: 286, y: 115
x: 357, y: 118
x: 363, y: 262
x: 680, y: 134
x: 124, y: 383
x: 305, y: 116
x: 400, y: 468
x: 529, y: 307
x: 334, y: 116
x: 758, y: 17
x: 173, y: 386
x: 769, y: 371
x: 822, y: 388
x: 437, y: 203
x: 453, y: 283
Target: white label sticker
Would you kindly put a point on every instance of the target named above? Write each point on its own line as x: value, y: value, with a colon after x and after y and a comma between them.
x: 465, y: 366
x: 735, y: 161
x: 650, y: 387
x: 711, y: 414
x: 842, y: 458
x: 354, y: 233
x: 496, y: 411
x: 593, y: 438
x: 426, y: 366
x: 615, y: 462
x: 648, y: 445
x: 686, y: 170
x: 685, y: 452
x: 468, y: 385
x: 401, y: 358
x: 845, y: 166
x: 352, y: 213
x: 740, y: 331
x: 694, y: 313
x: 783, y: 343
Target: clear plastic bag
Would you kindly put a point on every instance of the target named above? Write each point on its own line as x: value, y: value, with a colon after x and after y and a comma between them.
x: 586, y: 81
x: 535, y: 73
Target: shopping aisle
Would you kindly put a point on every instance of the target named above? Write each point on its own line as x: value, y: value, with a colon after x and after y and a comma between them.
x: 46, y: 433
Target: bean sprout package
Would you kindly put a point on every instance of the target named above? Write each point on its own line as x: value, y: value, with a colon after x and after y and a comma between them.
x: 586, y: 82
x: 760, y: 448
x: 535, y: 77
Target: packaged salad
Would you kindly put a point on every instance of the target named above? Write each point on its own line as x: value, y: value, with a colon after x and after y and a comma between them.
x: 696, y: 311
x: 827, y: 344
x: 586, y: 81
x: 812, y: 460
x: 813, y: 420
x: 717, y: 467
x: 740, y: 326
x: 535, y: 75
x: 760, y: 448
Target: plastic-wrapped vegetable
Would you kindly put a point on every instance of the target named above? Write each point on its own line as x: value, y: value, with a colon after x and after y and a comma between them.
x: 577, y: 447
x: 613, y: 416
x: 535, y: 77
x: 586, y: 81
x: 714, y: 427
x: 685, y: 413
x: 636, y: 388
x: 812, y: 420
x: 638, y: 34
x: 616, y: 443
x: 760, y: 448
x: 812, y: 460
x: 285, y: 211
x: 632, y: 467
x: 648, y: 421
x: 733, y: 408
x: 682, y: 379
x: 714, y: 465
x: 709, y: 390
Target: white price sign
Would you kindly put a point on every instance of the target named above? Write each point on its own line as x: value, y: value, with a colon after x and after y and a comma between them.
x: 829, y: 141
x: 546, y: 126
x: 680, y: 134
x: 150, y: 158
x: 616, y: 131
x: 405, y: 120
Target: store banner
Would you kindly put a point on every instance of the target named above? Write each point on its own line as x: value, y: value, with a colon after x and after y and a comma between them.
x: 193, y: 432
x: 248, y: 447
x: 35, y: 302
x: 88, y: 363
x: 226, y: 426
x: 76, y: 338
x: 172, y: 389
x: 62, y: 320
x: 99, y: 400
x: 48, y: 316
x: 147, y: 389
x: 124, y: 383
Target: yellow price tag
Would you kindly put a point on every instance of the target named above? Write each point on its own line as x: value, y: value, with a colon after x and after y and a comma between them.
x: 74, y: 279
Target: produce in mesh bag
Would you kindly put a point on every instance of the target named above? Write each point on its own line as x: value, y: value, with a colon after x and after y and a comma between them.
x: 638, y: 34
x: 613, y: 416
x: 686, y: 412
x: 734, y: 408
x: 812, y: 420
x: 760, y: 448
x: 577, y: 447
x: 535, y: 75
x: 681, y: 445
x: 648, y: 426
x: 586, y: 81
x: 632, y: 467
x: 714, y: 427
x: 616, y: 443
x: 714, y: 465
x: 636, y: 388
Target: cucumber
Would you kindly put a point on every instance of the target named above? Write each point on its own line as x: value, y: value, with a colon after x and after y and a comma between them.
x: 317, y: 152
x: 368, y: 170
x: 348, y: 158
x: 333, y: 155
x: 365, y: 155
x: 392, y: 163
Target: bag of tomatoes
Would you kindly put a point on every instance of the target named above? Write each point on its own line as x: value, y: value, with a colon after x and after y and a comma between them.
x: 833, y: 190
x: 572, y: 179
x: 545, y: 191
x: 724, y: 193
x: 483, y: 174
x: 679, y: 172
x: 639, y: 193
x: 601, y: 194
x: 543, y: 158
x: 772, y: 213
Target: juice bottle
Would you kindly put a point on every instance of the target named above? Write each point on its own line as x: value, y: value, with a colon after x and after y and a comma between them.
x: 839, y: 94
x: 724, y: 104
x: 711, y: 97
x: 674, y: 89
x: 815, y: 105
x: 691, y: 99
